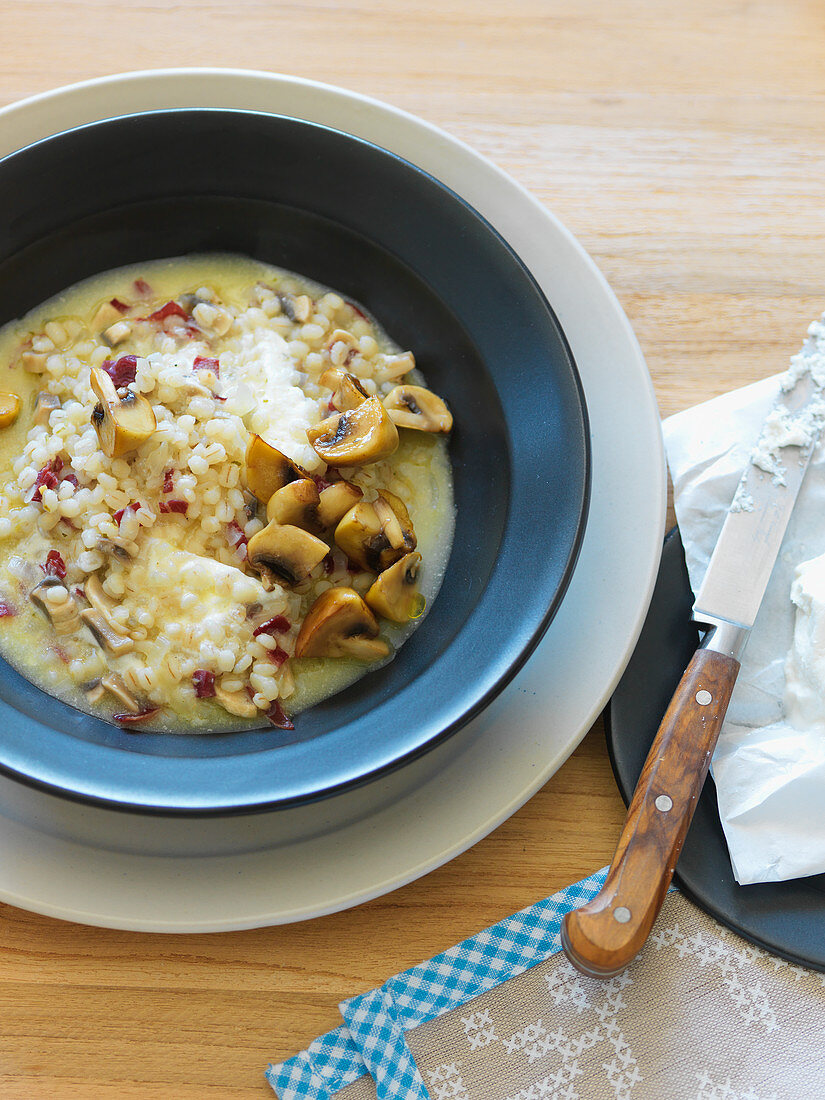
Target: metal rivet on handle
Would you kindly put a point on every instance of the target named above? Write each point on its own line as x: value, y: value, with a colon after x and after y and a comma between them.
x: 664, y: 803
x: 622, y: 914
x: 703, y: 698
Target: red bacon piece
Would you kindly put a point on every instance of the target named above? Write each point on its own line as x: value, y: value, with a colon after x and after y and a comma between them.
x: 118, y: 516
x: 122, y: 371
x: 47, y: 478
x: 204, y: 682
x: 129, y: 719
x: 171, y: 309
x: 55, y: 566
x: 178, y: 506
x: 279, y: 625
x: 278, y: 718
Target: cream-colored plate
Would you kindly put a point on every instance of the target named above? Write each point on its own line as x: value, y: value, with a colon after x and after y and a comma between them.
x: 111, y: 869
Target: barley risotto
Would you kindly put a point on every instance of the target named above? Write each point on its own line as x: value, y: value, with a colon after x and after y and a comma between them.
x: 226, y: 494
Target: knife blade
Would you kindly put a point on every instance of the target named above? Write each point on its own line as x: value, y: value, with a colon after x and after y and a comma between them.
x: 602, y: 937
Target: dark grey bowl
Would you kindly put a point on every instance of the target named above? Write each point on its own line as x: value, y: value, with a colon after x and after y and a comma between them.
x: 442, y: 282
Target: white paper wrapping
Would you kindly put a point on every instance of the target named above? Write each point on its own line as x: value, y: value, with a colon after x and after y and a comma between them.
x: 770, y: 777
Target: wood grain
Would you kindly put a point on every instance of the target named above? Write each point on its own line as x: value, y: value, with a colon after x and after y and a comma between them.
x: 682, y: 143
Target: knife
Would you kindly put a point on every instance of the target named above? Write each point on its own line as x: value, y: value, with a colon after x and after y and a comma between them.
x: 602, y: 937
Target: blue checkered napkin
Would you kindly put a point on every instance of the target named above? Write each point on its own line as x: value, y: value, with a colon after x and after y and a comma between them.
x: 374, y: 1040
x: 378, y: 1020
x: 329, y: 1063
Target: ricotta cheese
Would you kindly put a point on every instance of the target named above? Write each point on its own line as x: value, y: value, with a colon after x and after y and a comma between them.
x: 805, y: 663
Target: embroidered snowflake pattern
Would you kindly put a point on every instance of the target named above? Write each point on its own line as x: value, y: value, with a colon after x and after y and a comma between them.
x: 548, y: 1088
x: 445, y: 1082
x: 479, y: 1029
x: 723, y: 1090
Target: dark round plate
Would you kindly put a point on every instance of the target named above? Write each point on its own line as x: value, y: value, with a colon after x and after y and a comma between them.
x: 787, y: 918
x: 442, y: 282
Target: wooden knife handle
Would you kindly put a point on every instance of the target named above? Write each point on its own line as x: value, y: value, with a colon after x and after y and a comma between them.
x: 602, y: 937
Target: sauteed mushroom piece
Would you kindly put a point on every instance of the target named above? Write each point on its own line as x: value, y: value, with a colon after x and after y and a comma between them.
x: 110, y: 639
x: 416, y: 407
x: 115, y: 686
x: 115, y: 334
x: 34, y: 361
x: 52, y: 597
x: 284, y: 554
x: 44, y: 406
x: 95, y: 692
x: 395, y: 594
x: 9, y: 408
x: 236, y: 702
x: 267, y: 469
x: 395, y: 520
x: 106, y: 316
x: 376, y: 535
x: 93, y: 591
x: 301, y: 505
x: 358, y: 436
x: 339, y: 624
x: 294, y: 504
x: 297, y: 307
x: 335, y: 501
x: 122, y: 423
x: 347, y: 391
x: 390, y: 367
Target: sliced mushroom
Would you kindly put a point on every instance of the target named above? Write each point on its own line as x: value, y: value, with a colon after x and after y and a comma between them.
x: 355, y: 437
x: 339, y: 624
x: 189, y: 301
x: 284, y: 554
x: 267, y: 469
x: 347, y: 391
x: 376, y: 535
x: 115, y: 686
x: 34, y: 361
x: 118, y: 332
x: 335, y: 501
x: 93, y: 591
x: 395, y: 593
x: 342, y: 348
x: 116, y: 643
x: 122, y: 423
x: 296, y: 307
x: 389, y: 367
x: 106, y: 316
x: 95, y: 692
x: 416, y: 407
x: 236, y: 702
x: 44, y: 406
x: 9, y: 408
x: 295, y: 504
x: 52, y: 597
x: 395, y: 520
x: 121, y: 548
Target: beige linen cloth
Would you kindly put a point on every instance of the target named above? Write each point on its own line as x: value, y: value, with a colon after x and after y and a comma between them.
x: 700, y: 1015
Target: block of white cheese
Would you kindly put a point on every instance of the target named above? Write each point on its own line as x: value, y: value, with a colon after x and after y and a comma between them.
x: 805, y: 664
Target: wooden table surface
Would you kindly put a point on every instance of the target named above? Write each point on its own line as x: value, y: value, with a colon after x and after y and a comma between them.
x: 683, y: 144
